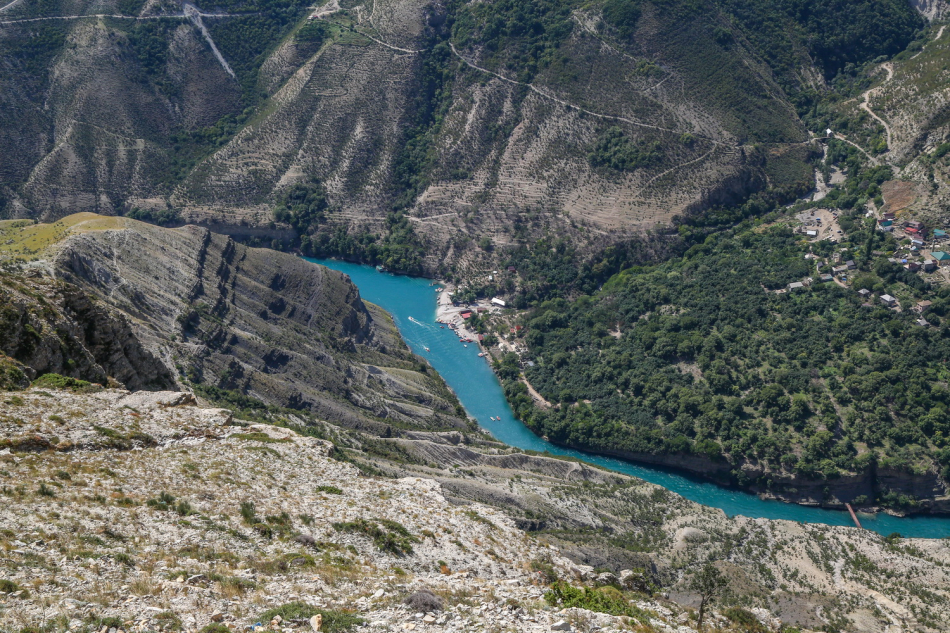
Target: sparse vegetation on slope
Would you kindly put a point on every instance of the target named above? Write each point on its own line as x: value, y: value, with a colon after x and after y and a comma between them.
x: 656, y: 128
x: 198, y: 530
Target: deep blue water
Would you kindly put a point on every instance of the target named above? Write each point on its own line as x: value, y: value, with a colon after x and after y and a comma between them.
x: 480, y: 393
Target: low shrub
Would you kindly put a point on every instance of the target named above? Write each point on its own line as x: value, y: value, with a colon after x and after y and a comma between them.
x: 545, y: 570
x: 259, y: 436
x: 745, y: 619
x: 168, y: 621
x: 388, y: 535
x: 565, y: 595
x: 163, y: 502
x: 56, y: 381
x: 8, y: 586
x: 334, y: 621
x: 425, y: 601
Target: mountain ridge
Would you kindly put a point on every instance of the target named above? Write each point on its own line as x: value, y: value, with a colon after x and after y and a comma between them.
x: 469, y: 141
x: 229, y: 319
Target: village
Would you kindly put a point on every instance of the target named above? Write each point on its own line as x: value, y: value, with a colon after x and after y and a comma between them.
x: 920, y: 250
x: 457, y: 315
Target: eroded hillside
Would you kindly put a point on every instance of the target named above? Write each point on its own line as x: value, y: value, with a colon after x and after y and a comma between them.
x: 900, y: 120
x: 474, y: 121
x: 259, y: 328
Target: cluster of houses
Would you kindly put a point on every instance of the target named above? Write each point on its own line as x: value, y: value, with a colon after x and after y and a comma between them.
x: 916, y: 231
x: 841, y: 270
x: 891, y: 302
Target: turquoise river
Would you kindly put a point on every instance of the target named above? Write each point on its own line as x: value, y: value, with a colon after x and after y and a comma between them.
x: 480, y: 393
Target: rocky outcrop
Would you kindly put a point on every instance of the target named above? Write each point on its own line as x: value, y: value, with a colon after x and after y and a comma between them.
x: 205, y: 490
x: 54, y: 327
x: 932, y: 9
x: 643, y: 534
x: 229, y: 319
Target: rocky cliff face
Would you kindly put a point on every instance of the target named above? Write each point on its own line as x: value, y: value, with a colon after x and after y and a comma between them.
x: 150, y: 308
x: 54, y: 327
x: 259, y: 323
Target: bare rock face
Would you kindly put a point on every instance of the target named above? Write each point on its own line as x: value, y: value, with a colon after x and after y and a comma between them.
x: 54, y: 327
x: 931, y: 9
x: 268, y: 325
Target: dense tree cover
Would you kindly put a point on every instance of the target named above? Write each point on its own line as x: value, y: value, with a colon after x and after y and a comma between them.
x: 148, y: 40
x: 311, y: 36
x: 31, y: 50
x: 398, y: 249
x: 835, y: 33
x: 246, y: 41
x: 623, y: 15
x: 306, y: 208
x: 695, y: 357
x: 616, y: 151
x: 413, y: 165
x: 130, y: 7
x: 303, y: 206
x: 161, y: 217
x: 521, y: 37
x: 553, y: 267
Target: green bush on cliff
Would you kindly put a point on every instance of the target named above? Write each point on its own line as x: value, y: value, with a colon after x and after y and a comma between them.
x: 56, y: 381
x: 387, y: 535
x: 615, y: 151
x: 304, y: 206
x: 12, y: 377
x: 602, y: 600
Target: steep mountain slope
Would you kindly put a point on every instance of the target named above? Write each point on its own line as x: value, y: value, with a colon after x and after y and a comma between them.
x: 142, y: 511
x: 52, y: 327
x: 237, y: 322
x: 487, y: 140
x: 896, y: 112
x: 477, y: 121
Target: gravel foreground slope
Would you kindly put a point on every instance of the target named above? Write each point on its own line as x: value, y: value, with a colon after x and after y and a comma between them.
x: 142, y: 512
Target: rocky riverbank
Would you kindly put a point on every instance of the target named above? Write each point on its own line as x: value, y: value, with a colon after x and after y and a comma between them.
x: 925, y: 493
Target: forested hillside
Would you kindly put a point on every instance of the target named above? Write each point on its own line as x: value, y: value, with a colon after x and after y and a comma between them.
x: 465, y: 122
x: 710, y: 362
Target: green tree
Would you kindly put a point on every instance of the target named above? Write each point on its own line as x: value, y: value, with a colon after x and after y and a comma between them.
x: 708, y: 582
